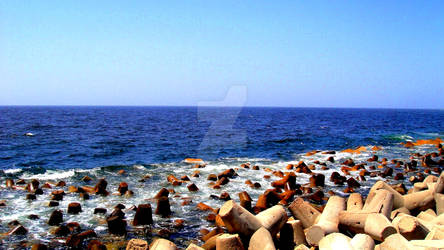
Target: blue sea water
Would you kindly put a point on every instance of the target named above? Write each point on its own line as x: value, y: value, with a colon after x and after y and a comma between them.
x: 88, y: 137
x: 69, y: 143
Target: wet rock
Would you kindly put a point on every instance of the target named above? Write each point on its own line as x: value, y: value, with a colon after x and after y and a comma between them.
x: 316, y: 196
x: 331, y: 159
x: 76, y: 240
x: 84, y: 196
x: 288, y: 182
x: 364, y: 172
x: 9, y: 183
x: 33, y: 217
x: 120, y: 206
x: 164, y: 233
x: 74, y: 208
x: 33, y: 185
x: 38, y: 191
x: 427, y: 161
x: 46, y: 185
x: 387, y: 172
x: 39, y: 246
x: 245, y: 165
x: 349, y: 162
x: 352, y: 183
x: 186, y: 202
x: 99, y: 210
x: 116, y: 225
x: 56, y: 218
x: 117, y: 212
x: 163, y: 207
x: 18, y: 230
x: 255, y: 168
x: 229, y: 173
x: 86, y: 178
x: 225, y: 196
x: 96, y: 245
x: 302, y: 168
x: 73, y: 226
x: 162, y: 193
x: 129, y: 194
x: 211, y: 217
x: 212, y: 177
x: 212, y: 233
x: 100, y: 187
x: 61, y: 184
x: 72, y: 189
x: 53, y: 203
x: 204, y: 207
x: 173, y: 180
x: 13, y: 223
x: 373, y: 158
x: 123, y: 187
x: 256, y: 185
x: 62, y: 230
x: 57, y: 195
x: 287, y: 196
x: 337, y: 179
x: 268, y: 199
x: 31, y: 197
x: 317, y: 180
x: 192, y: 187
x: 185, y: 178
x: 178, y: 223
x: 399, y: 176
x: 21, y: 182
x: 331, y: 152
x: 222, y: 181
x: 144, y: 215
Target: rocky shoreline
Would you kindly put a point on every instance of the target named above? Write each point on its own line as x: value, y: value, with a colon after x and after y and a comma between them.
x: 287, y: 215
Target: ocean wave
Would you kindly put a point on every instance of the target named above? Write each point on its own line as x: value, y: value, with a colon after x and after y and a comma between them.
x: 13, y: 170
x: 50, y: 175
x: 430, y: 135
x: 403, y: 137
x: 285, y: 140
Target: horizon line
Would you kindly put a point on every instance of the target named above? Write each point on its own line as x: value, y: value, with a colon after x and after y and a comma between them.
x: 197, y: 106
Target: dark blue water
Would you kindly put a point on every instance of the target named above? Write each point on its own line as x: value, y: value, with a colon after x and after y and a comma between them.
x: 87, y: 137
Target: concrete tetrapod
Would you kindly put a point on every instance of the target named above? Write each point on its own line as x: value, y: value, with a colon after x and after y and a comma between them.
x: 238, y: 220
x: 328, y: 221
x: 378, y: 227
x: 229, y: 242
x: 335, y: 241
x: 273, y: 219
x: 261, y: 240
x: 304, y: 212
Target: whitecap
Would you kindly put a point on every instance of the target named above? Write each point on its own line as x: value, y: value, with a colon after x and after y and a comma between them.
x: 13, y: 170
x: 50, y: 175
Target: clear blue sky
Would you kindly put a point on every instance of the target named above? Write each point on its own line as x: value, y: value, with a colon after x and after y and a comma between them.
x: 287, y: 53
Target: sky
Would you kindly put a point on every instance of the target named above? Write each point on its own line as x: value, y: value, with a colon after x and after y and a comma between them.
x: 375, y: 54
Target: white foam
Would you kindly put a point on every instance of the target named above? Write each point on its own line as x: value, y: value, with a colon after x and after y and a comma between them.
x: 13, y: 170
x: 140, y: 167
x: 50, y: 175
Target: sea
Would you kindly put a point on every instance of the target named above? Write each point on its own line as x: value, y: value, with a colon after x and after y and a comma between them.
x: 54, y: 143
